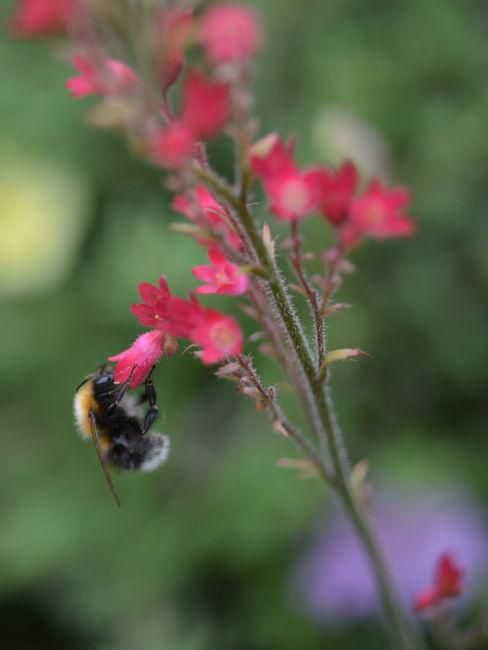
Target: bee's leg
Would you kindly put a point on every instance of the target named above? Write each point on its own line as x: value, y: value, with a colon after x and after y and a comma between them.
x: 152, y: 412
x: 123, y: 389
x: 144, y: 397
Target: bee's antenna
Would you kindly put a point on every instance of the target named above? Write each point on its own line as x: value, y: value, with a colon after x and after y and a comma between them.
x: 103, y: 464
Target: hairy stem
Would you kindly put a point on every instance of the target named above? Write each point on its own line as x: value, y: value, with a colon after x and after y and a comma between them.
x: 310, y: 292
x: 318, y: 404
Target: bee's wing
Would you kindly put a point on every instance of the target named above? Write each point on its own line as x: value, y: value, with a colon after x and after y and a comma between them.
x: 102, y: 459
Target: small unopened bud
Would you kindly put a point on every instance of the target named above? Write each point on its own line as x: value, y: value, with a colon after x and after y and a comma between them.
x: 336, y: 307
x: 359, y: 484
x: 170, y: 346
x: 188, y: 229
x: 297, y: 288
x: 250, y: 391
x: 249, y: 311
x: 304, y: 466
x: 257, y: 336
x: 279, y: 428
x: 262, y: 147
x: 229, y: 371
x: 344, y: 354
x: 267, y: 349
x: 268, y: 241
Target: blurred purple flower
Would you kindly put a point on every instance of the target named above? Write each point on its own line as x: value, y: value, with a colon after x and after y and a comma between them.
x: 334, y: 582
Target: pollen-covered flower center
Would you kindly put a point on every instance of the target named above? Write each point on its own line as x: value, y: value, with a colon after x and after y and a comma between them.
x: 375, y: 213
x: 221, y: 278
x: 223, y: 337
x: 295, y: 195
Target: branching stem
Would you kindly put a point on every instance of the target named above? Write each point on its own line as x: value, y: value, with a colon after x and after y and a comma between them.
x: 318, y: 406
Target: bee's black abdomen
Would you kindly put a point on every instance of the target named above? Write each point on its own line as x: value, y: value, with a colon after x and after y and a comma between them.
x: 144, y: 453
x: 120, y: 456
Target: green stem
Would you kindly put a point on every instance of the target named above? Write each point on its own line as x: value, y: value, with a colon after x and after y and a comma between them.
x: 403, y: 636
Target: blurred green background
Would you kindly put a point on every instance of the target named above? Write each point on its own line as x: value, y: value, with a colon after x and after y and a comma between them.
x: 200, y: 555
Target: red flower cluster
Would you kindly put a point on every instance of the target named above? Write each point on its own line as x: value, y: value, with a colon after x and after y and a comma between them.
x: 293, y: 193
x: 205, y: 108
x: 43, y: 17
x: 111, y: 78
x: 447, y: 584
x: 169, y: 317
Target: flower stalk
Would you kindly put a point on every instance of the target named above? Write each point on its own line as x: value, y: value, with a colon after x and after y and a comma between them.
x: 401, y: 632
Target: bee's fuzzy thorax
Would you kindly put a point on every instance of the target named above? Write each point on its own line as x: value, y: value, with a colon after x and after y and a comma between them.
x: 85, y: 402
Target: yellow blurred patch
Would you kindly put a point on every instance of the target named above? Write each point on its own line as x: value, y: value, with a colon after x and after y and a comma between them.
x: 43, y: 215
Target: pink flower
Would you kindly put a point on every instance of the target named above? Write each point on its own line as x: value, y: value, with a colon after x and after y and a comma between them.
x: 207, y: 213
x: 230, y: 32
x: 205, y: 109
x: 175, y: 25
x: 447, y: 584
x: 112, y: 78
x: 174, y: 145
x: 205, y: 105
x: 222, y: 276
x: 43, y: 17
x: 293, y: 193
x: 219, y: 335
x: 170, y: 316
x: 143, y: 354
x: 336, y: 192
x: 378, y: 213
x: 161, y: 310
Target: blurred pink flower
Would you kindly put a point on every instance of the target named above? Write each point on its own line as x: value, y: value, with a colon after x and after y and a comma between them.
x: 379, y: 214
x: 42, y: 17
x: 174, y: 27
x: 205, y: 108
x: 112, y: 78
x: 447, y: 584
x: 336, y: 191
x: 293, y: 193
x: 230, y: 32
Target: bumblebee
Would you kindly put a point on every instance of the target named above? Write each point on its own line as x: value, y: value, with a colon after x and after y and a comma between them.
x: 108, y: 414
